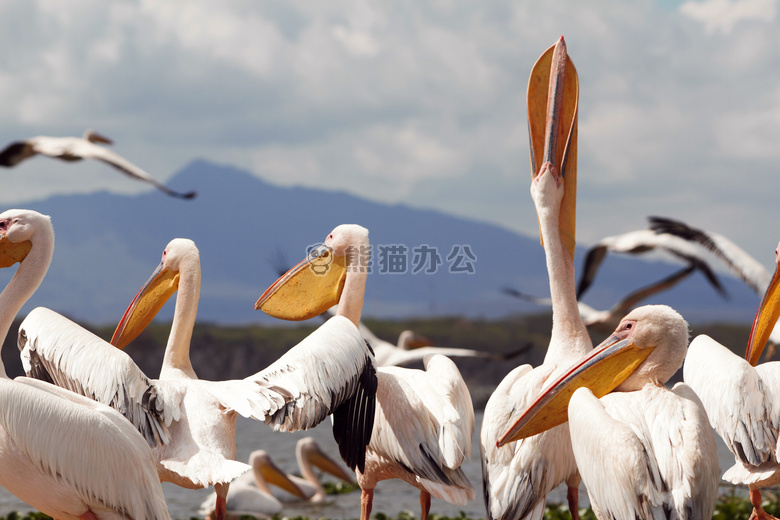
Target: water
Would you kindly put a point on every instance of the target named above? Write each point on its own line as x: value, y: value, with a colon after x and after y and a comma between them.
x: 390, y: 496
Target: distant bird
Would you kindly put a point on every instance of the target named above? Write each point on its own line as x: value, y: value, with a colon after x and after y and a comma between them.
x: 639, y: 242
x: 78, y: 148
x: 643, y: 450
x: 62, y: 453
x: 747, y: 268
x: 190, y: 422
x: 741, y: 398
x: 517, y: 476
x: 424, y: 419
x: 605, y: 321
x: 250, y: 494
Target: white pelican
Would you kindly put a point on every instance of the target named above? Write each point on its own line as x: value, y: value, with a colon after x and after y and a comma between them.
x: 605, y: 321
x: 250, y: 493
x: 189, y: 422
x: 643, y: 241
x: 741, y: 398
x: 643, y: 451
x: 310, y: 455
x: 68, y: 456
x: 424, y: 419
x: 78, y: 148
x: 516, y: 479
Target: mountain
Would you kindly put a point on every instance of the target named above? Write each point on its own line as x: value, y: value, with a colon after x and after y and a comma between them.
x: 107, y: 245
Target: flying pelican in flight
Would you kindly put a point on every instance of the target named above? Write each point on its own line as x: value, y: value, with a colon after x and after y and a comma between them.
x: 640, y: 242
x: 424, y: 419
x: 77, y: 148
x: 740, y: 397
x: 605, y: 321
x: 517, y: 478
x: 747, y: 268
x: 250, y: 494
x: 64, y: 454
x: 189, y: 422
x: 643, y: 451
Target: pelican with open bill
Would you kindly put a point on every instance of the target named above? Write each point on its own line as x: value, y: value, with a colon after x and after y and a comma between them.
x: 601, y: 371
x: 552, y: 100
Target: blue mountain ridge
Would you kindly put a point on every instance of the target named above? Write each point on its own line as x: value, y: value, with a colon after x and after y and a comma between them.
x: 107, y: 245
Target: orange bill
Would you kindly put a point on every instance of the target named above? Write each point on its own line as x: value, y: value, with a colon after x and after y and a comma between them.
x: 145, y: 306
x: 601, y: 370
x: 765, y: 320
x: 552, y: 98
x: 11, y: 252
x: 308, y: 289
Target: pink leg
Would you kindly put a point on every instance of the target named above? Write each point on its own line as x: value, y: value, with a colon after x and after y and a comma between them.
x: 366, y: 501
x: 425, y: 504
x: 573, y: 497
x: 89, y: 515
x: 220, y: 509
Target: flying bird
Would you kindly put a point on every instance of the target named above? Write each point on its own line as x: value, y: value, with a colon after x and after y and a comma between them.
x: 643, y: 451
x: 741, y: 397
x: 517, y: 478
x: 639, y: 242
x: 77, y: 148
x: 424, y: 419
x: 190, y: 422
x: 62, y: 453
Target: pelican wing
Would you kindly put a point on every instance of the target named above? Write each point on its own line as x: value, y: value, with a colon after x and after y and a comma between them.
x: 84, y: 443
x: 15, y: 153
x: 56, y: 350
x: 399, y: 357
x: 737, y: 400
x: 741, y: 263
x: 331, y: 371
x: 407, y: 431
x: 88, y: 150
x: 644, y: 454
x: 517, y: 478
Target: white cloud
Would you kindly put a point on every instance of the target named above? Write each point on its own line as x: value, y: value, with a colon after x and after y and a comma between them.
x: 722, y: 15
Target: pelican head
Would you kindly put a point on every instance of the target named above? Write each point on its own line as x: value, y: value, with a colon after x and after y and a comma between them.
x: 766, y: 316
x: 552, y: 98
x: 94, y: 137
x: 267, y: 472
x: 316, y: 283
x: 157, y: 290
x: 648, y: 347
x: 17, y: 227
x: 410, y: 340
x: 308, y: 450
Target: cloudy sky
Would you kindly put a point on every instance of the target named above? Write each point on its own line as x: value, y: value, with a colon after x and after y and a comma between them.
x: 421, y: 103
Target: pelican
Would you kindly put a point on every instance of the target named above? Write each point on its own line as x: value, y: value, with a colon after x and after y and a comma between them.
x: 424, y: 419
x: 643, y: 451
x: 65, y: 455
x: 740, y: 397
x: 310, y: 455
x: 643, y: 241
x: 77, y: 148
x: 516, y: 479
x: 189, y: 422
x: 605, y: 321
x: 250, y: 493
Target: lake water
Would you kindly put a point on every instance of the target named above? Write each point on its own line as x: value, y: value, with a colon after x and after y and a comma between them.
x: 390, y: 496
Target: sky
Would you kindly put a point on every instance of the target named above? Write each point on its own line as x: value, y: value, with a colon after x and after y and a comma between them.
x: 420, y: 103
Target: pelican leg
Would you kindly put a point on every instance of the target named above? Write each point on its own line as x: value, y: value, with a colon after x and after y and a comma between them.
x: 425, y: 504
x: 573, y: 498
x: 220, y: 509
x: 89, y: 515
x: 366, y: 501
x: 758, y: 511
